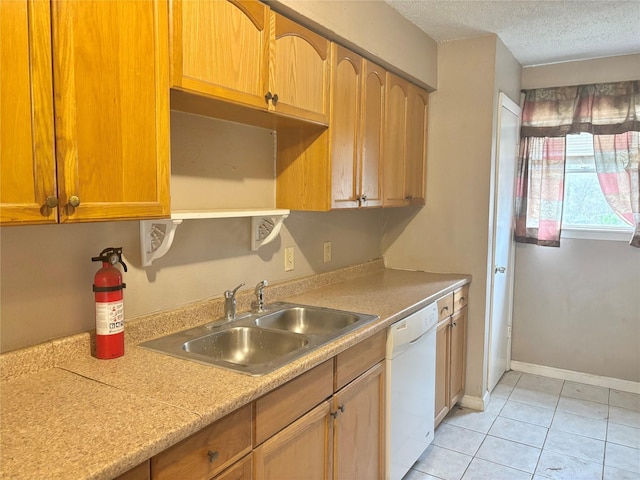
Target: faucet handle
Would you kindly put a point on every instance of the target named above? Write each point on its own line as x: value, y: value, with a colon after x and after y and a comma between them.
x: 232, y: 293
x: 261, y: 285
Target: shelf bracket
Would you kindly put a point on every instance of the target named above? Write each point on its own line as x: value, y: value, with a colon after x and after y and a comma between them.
x: 156, y: 237
x: 264, y: 229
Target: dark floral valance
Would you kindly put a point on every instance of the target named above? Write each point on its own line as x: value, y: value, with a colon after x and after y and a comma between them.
x: 600, y: 109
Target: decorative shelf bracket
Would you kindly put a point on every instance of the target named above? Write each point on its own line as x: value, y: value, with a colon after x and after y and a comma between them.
x: 156, y: 236
x: 264, y: 229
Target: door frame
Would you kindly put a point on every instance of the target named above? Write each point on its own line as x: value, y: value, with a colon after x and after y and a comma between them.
x: 504, y: 102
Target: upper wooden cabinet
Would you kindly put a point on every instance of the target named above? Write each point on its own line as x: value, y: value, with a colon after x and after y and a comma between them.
x: 221, y: 48
x: 357, y: 112
x: 416, y: 159
x: 405, y: 143
x: 240, y: 51
x: 27, y: 158
x: 111, y: 109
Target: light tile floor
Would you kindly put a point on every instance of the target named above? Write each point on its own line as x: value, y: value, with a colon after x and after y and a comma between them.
x: 538, y: 428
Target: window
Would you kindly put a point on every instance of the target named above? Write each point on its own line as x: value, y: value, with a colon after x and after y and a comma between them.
x: 585, y: 207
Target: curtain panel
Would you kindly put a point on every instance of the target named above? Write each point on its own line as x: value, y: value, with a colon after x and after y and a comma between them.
x: 609, y: 111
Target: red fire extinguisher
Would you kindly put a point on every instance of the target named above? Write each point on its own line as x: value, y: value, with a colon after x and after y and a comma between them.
x: 108, y: 286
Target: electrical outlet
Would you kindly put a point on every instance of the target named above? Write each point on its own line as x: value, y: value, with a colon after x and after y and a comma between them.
x: 327, y: 252
x: 289, y: 261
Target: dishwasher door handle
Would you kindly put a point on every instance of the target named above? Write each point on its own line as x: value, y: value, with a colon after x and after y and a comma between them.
x: 412, y: 342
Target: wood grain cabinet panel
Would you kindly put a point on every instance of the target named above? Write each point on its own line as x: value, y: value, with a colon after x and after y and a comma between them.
x: 141, y: 472
x: 221, y: 48
x: 27, y: 155
x: 359, y: 433
x: 357, y: 114
x: 109, y: 66
x: 110, y: 69
x: 300, y: 70
x: 302, y: 451
x: 405, y: 141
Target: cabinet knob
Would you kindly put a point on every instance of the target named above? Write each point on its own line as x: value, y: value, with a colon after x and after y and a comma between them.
x: 341, y: 408
x: 51, y: 201
x: 268, y: 97
x: 213, y: 456
x: 74, y: 201
x: 334, y: 414
x: 408, y: 197
x: 444, y: 309
x: 274, y: 100
x: 364, y: 198
x: 454, y: 324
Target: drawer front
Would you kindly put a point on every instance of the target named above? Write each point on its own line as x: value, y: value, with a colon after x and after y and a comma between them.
x: 241, y: 470
x: 358, y: 359
x: 279, y: 408
x: 460, y: 298
x: 141, y: 472
x: 208, y: 452
x: 445, y: 306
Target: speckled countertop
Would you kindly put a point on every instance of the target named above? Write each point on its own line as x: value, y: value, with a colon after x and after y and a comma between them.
x: 75, y: 417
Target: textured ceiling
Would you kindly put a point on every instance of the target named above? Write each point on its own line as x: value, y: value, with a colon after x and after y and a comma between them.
x: 535, y: 31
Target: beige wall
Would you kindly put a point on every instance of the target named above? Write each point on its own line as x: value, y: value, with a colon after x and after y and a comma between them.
x: 599, y: 70
x: 451, y: 233
x: 374, y: 29
x: 577, y: 307
x: 47, y: 272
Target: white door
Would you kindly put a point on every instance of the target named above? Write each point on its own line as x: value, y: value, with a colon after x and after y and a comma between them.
x: 502, y: 271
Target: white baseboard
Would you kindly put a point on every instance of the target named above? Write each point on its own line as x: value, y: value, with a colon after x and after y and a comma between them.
x: 475, y: 403
x: 578, y: 377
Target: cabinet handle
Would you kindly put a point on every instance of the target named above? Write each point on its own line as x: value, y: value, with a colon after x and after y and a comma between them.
x: 272, y: 97
x: 461, y: 299
x: 363, y: 198
x: 74, y: 201
x: 213, y: 456
x: 334, y: 414
x: 341, y: 408
x: 51, y: 201
x: 444, y: 309
x: 454, y: 324
x: 408, y: 197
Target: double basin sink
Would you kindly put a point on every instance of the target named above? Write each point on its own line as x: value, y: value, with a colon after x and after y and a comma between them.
x: 259, y: 343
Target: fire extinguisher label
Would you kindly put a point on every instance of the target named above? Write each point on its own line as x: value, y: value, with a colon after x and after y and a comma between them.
x: 109, y: 317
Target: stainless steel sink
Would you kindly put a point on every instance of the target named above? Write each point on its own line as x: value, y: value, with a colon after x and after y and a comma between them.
x: 259, y: 343
x: 245, y: 345
x: 309, y: 320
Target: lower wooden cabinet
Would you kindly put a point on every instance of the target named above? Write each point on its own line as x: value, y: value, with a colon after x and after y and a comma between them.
x: 302, y: 451
x: 451, y: 347
x: 241, y: 470
x: 359, y: 436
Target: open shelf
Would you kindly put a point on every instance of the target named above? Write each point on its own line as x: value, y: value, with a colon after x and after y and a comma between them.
x: 156, y: 236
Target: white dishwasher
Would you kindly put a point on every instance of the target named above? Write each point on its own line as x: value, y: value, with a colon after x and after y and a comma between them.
x: 411, y: 377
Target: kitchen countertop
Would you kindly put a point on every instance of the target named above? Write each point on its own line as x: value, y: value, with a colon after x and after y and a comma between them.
x: 86, y: 418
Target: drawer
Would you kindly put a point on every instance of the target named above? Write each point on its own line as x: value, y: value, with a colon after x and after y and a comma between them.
x: 445, y: 306
x: 241, y: 470
x: 358, y: 359
x: 208, y: 452
x: 141, y: 472
x: 460, y: 298
x: 285, y: 404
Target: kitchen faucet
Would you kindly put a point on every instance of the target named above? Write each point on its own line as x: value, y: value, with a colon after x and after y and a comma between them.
x: 230, y: 303
x: 259, y: 291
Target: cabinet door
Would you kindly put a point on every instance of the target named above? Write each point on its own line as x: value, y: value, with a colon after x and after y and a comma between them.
x: 394, y: 141
x: 416, y: 160
x: 110, y: 66
x: 300, y: 73
x: 27, y: 168
x: 359, y: 437
x: 221, y: 48
x: 345, y: 127
x: 442, y: 370
x: 372, y: 122
x: 302, y: 451
x: 458, y: 356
